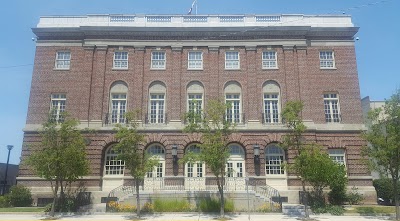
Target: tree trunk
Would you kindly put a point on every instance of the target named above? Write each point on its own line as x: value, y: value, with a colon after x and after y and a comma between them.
x: 221, y: 194
x: 396, y: 198
x: 55, y: 191
x: 305, y: 200
x: 62, y: 197
x: 137, y: 182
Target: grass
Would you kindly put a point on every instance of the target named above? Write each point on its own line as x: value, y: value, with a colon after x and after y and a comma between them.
x: 371, y: 210
x: 21, y: 210
x: 171, y: 205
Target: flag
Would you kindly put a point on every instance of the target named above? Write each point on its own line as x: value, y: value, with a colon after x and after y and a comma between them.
x: 191, y: 8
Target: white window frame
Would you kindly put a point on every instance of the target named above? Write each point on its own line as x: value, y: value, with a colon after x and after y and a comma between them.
x: 120, y: 108
x: 62, y: 63
x: 195, y: 166
x: 58, y: 104
x: 267, y: 61
x: 156, y: 62
x: 119, y: 63
x: 197, y: 63
x: 232, y: 63
x: 336, y: 154
x: 237, y: 156
x: 324, y: 60
x: 271, y: 100
x: 329, y: 99
x: 277, y: 160
x: 157, y: 119
x: 158, y: 171
x: 117, y: 165
x: 195, y: 100
x: 231, y: 110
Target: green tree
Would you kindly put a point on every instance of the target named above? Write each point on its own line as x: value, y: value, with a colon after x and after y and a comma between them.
x: 315, y: 167
x: 130, y: 150
x: 60, y: 158
x: 215, y: 130
x: 291, y: 115
x: 311, y: 164
x: 384, y: 139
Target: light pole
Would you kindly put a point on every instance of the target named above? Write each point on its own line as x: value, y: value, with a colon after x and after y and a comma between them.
x: 9, y: 147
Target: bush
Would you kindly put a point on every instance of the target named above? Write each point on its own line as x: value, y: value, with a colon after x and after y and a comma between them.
x: 337, y: 196
x: 20, y: 196
x: 354, y: 197
x: 384, y: 189
x: 213, y: 205
x: 148, y: 208
x: 171, y: 205
x: 4, y: 201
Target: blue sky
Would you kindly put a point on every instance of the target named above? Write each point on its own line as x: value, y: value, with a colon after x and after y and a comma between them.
x: 376, y: 50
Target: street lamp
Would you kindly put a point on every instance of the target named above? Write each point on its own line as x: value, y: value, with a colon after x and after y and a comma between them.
x: 9, y: 148
x: 175, y: 153
x: 256, y: 150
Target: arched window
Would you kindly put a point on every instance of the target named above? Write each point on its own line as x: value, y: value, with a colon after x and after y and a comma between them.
x: 274, y: 158
x: 157, y: 108
x: 236, y: 163
x: 271, y: 102
x: 233, y: 97
x: 118, y: 102
x: 112, y: 165
x: 195, y: 97
x: 194, y: 169
x: 157, y: 151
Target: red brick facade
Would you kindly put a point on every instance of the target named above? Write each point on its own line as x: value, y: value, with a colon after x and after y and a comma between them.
x: 87, y: 87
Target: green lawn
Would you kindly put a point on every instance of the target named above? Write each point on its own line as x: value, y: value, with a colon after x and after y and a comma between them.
x: 21, y: 209
x: 373, y: 209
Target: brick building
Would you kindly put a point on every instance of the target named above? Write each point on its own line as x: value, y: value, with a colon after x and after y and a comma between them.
x: 97, y: 67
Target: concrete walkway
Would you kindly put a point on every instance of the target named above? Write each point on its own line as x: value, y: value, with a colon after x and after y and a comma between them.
x: 188, y: 216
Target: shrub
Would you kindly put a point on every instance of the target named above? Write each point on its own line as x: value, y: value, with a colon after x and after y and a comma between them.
x: 171, y: 205
x: 337, y: 196
x: 213, y: 205
x: 384, y: 189
x: 4, y: 201
x: 20, y: 196
x: 354, y: 197
x: 148, y: 208
x: 117, y: 207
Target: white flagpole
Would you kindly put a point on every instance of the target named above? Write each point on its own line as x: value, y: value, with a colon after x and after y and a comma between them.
x: 196, y: 7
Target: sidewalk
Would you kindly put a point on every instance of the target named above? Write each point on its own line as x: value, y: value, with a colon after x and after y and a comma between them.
x: 189, y: 217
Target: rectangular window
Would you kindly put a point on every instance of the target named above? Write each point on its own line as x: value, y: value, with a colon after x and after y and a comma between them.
x: 269, y: 60
x: 239, y: 168
x: 232, y: 60
x: 195, y: 105
x: 114, y: 166
x: 271, y: 108
x: 199, y: 170
x: 120, y: 60
x: 159, y: 170
x: 118, y: 108
x: 195, y: 60
x: 229, y: 168
x: 190, y: 169
x: 338, y: 156
x: 233, y: 112
x: 57, y: 107
x: 273, y: 164
x: 63, y: 60
x: 157, y: 114
x: 326, y: 60
x: 331, y: 107
x: 157, y: 60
